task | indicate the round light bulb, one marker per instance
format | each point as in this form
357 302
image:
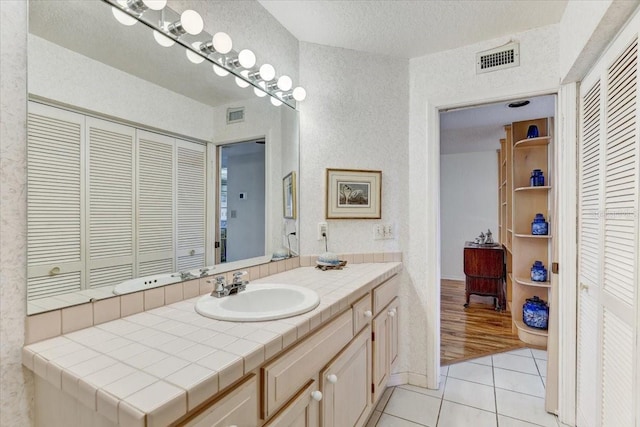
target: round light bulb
220 71
122 17
267 72
260 93
192 56
276 102
222 43
155 4
192 22
285 83
243 83
162 40
299 94
247 58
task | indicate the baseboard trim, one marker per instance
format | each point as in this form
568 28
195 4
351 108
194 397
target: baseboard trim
419 380
399 378
459 279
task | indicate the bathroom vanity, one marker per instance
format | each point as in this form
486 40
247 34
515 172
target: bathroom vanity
171 366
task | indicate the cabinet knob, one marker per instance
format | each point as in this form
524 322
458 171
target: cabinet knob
316 395
584 287
368 314
332 378
392 312
54 271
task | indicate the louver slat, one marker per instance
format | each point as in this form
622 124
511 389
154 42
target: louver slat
110 276
47 286
160 266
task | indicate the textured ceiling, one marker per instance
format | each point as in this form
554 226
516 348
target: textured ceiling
410 29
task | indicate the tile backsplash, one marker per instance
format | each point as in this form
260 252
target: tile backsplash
53 323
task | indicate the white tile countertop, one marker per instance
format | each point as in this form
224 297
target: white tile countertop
153 367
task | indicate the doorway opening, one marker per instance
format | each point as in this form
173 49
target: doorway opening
240 222
481 202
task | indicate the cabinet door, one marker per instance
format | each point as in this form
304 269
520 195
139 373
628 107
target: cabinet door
302 411
392 312
235 408
345 383
380 345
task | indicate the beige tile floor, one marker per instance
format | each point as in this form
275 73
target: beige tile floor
503 390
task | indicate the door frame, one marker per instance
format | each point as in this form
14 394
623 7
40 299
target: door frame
565 131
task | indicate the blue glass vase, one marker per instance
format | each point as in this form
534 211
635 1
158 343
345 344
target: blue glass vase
532 132
539 227
537 178
535 313
538 272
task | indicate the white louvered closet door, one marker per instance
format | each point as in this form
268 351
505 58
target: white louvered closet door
608 247
155 240
54 196
111 202
191 207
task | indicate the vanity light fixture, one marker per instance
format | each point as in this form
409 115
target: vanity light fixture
260 93
299 94
123 18
139 6
245 59
190 22
266 73
220 71
169 27
162 39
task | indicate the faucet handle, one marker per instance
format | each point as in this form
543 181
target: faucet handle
238 274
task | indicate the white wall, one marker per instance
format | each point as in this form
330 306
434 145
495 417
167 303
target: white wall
91 85
468 205
355 117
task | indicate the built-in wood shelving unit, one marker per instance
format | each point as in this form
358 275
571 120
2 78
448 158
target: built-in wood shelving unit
518 204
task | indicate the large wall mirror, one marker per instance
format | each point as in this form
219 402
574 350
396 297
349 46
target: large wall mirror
144 167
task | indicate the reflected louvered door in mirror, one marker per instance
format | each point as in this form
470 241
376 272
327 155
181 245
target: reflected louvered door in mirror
191 216
110 207
608 247
156 196
55 194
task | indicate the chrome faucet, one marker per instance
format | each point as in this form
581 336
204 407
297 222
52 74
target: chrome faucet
184 275
222 289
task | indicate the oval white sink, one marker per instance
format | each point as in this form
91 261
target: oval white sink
259 302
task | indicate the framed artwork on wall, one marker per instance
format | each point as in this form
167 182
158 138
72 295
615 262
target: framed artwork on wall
289 195
353 194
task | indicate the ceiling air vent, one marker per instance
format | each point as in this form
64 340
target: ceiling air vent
235 115
506 56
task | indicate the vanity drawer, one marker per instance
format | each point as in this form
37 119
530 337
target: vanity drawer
283 377
383 294
362 313
238 406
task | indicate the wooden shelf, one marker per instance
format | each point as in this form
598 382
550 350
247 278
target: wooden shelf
533 236
528 282
504 204
533 142
533 336
538 188
504 182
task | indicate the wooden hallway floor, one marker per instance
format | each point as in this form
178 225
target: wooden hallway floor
467 333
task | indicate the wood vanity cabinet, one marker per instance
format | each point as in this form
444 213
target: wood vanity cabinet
346 394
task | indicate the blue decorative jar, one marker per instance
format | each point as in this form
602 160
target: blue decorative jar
535 313
538 272
537 178
539 227
532 132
